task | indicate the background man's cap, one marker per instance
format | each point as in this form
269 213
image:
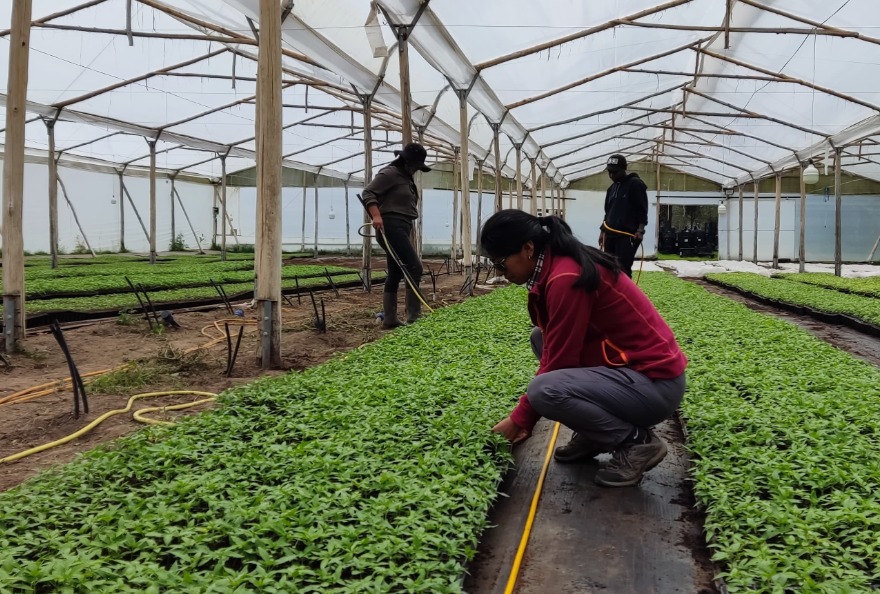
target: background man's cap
414 154
616 162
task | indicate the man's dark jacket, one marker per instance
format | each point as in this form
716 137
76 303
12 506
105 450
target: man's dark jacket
394 191
626 204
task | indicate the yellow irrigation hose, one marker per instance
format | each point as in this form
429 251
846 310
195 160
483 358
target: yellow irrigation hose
139 414
641 245
41 448
406 276
527 530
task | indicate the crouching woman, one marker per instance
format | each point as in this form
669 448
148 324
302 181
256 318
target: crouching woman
610 367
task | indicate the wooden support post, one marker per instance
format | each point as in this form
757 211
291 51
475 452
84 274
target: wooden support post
347 224
13 176
53 194
268 266
152 145
418 227
131 201
657 206
510 194
740 188
224 212
802 249
315 250
777 222
368 177
519 184
756 185
465 194
838 208
544 192
405 94
533 207
186 216
564 202
456 180
121 211
479 203
302 244
75 216
498 176
173 213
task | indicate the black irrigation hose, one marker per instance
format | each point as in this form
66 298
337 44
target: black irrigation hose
150 302
222 295
140 301
298 297
320 323
330 280
235 352
79 388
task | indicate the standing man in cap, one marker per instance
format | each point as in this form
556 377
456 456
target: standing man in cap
626 214
392 200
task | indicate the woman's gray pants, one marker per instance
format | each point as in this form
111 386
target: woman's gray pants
603 404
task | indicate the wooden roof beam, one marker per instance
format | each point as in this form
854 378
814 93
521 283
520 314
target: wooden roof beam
579 35
58 15
604 73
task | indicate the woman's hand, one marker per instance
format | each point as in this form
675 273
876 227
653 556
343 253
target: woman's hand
378 224
513 432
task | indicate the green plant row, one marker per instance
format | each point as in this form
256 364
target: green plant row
168 278
868 286
797 293
784 434
372 473
121 301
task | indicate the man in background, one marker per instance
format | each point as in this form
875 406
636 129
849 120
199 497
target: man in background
626 214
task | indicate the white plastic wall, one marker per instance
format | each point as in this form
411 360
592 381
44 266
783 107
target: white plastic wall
95 196
860 221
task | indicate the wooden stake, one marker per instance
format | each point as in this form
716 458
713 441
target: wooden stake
479 204
302 245
347 224
776 224
13 176
838 207
657 205
533 207
802 253
268 267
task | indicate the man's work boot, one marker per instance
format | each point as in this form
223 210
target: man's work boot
413 306
578 449
389 304
629 462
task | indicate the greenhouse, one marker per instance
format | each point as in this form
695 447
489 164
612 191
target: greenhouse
190 242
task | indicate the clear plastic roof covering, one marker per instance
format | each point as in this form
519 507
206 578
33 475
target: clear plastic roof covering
722 89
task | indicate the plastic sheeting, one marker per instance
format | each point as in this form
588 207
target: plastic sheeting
568 81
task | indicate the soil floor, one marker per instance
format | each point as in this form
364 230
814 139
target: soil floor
173 360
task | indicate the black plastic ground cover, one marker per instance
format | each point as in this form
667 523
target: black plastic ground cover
66 317
588 539
823 316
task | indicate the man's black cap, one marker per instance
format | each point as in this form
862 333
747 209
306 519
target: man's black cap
616 162
414 154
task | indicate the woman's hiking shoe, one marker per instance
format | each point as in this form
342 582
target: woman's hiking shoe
578 449
630 462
